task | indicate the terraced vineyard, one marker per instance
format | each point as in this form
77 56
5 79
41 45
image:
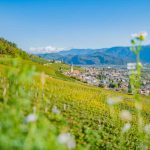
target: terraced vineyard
42 109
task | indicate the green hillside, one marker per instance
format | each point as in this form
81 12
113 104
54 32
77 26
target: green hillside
41 109
10 49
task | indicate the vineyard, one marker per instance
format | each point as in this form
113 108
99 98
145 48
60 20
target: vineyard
42 109
74 75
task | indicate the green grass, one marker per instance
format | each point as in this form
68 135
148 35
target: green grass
84 110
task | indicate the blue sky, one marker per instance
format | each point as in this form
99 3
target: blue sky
73 23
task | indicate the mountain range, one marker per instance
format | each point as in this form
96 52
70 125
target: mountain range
114 55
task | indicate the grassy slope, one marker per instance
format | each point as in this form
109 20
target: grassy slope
83 106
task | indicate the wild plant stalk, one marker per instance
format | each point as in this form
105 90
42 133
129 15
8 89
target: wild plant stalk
135 78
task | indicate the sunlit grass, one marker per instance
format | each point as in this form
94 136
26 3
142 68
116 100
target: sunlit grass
31 96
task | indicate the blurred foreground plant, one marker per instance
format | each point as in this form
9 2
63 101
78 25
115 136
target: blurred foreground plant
23 125
135 82
135 75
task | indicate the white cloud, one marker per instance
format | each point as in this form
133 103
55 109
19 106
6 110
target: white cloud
47 49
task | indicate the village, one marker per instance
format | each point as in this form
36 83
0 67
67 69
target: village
113 78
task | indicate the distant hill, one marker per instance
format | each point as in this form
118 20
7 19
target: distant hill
114 55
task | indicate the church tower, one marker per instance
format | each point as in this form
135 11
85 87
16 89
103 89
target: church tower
71 69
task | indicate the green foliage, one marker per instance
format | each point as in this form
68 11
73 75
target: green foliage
23 122
135 82
38 105
37 59
10 48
